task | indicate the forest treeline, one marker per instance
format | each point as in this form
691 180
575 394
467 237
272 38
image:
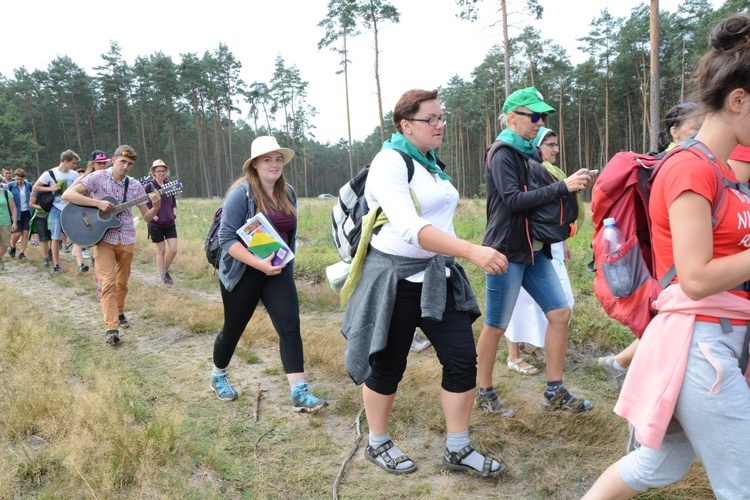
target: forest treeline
187 111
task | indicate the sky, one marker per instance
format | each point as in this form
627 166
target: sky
426 49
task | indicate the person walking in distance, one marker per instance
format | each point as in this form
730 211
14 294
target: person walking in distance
162 229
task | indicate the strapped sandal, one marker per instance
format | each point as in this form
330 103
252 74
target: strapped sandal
453 460
537 352
389 464
521 366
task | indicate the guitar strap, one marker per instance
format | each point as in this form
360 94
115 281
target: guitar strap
125 191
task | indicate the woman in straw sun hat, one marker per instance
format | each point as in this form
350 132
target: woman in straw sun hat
246 279
162 229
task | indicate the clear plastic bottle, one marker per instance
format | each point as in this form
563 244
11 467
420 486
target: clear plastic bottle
616 269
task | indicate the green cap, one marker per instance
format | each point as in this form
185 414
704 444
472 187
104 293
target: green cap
529 97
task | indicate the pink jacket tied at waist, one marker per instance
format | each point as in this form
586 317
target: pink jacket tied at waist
655 376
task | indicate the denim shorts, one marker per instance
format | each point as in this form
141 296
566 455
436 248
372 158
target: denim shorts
55 226
539 279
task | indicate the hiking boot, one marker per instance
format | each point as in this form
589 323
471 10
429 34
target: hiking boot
419 343
615 376
12 252
21 256
56 269
82 268
45 262
168 279
223 389
304 401
487 401
112 337
561 399
124 323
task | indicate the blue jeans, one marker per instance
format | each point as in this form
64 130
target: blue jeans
711 421
539 279
54 223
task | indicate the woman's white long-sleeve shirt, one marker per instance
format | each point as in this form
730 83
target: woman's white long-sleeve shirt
388 187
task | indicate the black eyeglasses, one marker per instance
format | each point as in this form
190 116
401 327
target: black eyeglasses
535 117
431 121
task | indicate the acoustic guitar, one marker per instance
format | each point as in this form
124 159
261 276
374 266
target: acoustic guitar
85 226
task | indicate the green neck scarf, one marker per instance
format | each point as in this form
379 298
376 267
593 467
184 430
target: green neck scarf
515 140
400 142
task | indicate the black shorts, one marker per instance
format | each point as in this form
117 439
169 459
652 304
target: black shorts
23 222
40 227
159 234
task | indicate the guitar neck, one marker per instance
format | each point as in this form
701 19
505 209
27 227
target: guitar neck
131 203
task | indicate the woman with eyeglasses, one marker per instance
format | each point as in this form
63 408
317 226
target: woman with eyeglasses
508 202
528 323
410 279
686 393
162 229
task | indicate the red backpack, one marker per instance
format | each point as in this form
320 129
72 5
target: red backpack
622 192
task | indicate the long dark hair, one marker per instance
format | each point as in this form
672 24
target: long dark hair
676 116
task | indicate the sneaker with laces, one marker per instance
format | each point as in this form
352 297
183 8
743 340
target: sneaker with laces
21 256
487 400
124 323
12 252
112 337
56 268
615 376
561 399
223 389
45 262
304 401
419 343
82 268
168 279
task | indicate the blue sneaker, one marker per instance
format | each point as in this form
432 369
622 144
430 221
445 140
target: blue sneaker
223 389
304 401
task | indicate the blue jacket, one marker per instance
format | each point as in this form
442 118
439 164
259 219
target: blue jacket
13 188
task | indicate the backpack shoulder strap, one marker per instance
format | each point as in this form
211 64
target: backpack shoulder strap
409 165
52 174
492 150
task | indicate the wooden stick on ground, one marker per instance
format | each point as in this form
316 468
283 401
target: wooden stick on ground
349 457
256 402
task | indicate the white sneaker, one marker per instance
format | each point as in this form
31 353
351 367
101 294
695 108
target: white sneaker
615 375
419 343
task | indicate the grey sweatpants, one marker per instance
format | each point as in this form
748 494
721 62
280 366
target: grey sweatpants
711 421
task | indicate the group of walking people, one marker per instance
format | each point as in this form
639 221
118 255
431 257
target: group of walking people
410 278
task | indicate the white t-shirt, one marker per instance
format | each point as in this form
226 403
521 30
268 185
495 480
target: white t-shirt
387 188
64 179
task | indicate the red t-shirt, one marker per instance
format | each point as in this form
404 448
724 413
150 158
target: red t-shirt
686 172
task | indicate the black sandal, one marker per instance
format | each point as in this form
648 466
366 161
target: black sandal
453 460
389 464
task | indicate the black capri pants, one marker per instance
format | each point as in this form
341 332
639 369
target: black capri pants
279 295
452 339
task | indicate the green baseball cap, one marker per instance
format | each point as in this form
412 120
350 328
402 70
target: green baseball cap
529 97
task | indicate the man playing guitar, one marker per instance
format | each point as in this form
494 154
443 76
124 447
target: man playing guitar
113 255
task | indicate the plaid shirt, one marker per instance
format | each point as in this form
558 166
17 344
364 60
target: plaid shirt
102 183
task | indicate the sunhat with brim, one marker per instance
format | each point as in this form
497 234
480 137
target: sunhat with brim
740 153
530 98
264 145
158 163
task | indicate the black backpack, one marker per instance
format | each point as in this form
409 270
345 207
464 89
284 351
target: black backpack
211 244
46 199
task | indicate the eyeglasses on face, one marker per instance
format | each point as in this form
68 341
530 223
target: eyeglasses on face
431 121
160 171
535 117
552 145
